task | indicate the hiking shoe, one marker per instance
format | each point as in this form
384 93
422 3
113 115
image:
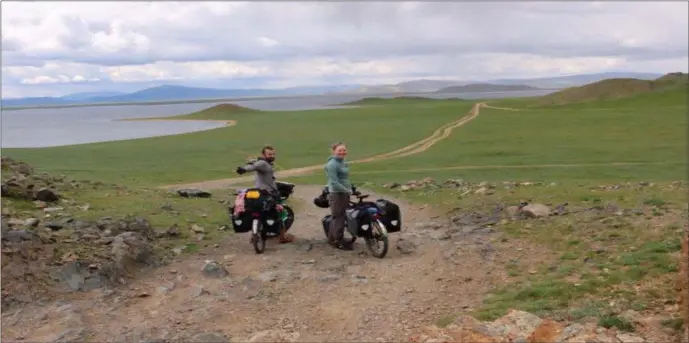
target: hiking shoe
344 245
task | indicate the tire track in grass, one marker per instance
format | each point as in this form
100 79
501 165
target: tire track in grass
417 147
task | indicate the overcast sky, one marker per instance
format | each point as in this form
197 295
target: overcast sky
56 48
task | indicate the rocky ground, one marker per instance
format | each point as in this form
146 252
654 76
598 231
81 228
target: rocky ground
51 240
107 280
520 326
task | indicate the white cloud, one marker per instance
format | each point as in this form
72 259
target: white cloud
108 45
42 79
267 42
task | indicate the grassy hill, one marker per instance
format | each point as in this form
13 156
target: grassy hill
570 142
485 87
400 100
612 89
217 112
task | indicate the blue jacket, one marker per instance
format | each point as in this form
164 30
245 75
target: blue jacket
338 175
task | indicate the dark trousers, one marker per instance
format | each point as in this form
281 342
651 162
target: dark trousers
338 205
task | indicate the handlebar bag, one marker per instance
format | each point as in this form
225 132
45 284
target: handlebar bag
285 189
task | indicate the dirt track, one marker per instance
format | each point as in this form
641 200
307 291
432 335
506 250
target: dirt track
501 108
414 148
306 288
417 147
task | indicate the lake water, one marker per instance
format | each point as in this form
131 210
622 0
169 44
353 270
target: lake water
46 127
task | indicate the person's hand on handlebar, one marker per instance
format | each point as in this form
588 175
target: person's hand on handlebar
240 170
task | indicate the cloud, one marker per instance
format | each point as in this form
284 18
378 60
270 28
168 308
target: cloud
267 42
203 42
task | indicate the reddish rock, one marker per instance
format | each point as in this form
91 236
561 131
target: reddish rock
548 331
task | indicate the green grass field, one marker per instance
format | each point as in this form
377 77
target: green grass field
569 143
302 138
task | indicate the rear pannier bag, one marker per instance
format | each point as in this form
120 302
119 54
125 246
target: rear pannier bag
391 215
271 216
352 216
358 216
326 224
240 223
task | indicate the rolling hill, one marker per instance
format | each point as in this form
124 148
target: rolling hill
485 87
63 100
557 82
167 93
89 95
617 88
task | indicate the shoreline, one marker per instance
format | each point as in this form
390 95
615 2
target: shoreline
227 123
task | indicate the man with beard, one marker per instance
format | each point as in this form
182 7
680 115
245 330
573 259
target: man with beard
265 180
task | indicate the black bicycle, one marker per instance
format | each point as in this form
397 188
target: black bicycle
260 215
366 219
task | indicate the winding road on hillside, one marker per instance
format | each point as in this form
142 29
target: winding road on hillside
417 147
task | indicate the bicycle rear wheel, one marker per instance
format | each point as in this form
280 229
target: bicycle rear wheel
378 243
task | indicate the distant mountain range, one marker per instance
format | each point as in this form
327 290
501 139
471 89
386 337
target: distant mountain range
485 87
167 93
558 82
182 93
89 95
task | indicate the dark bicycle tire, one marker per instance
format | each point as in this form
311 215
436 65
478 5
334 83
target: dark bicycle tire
375 239
290 217
259 240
